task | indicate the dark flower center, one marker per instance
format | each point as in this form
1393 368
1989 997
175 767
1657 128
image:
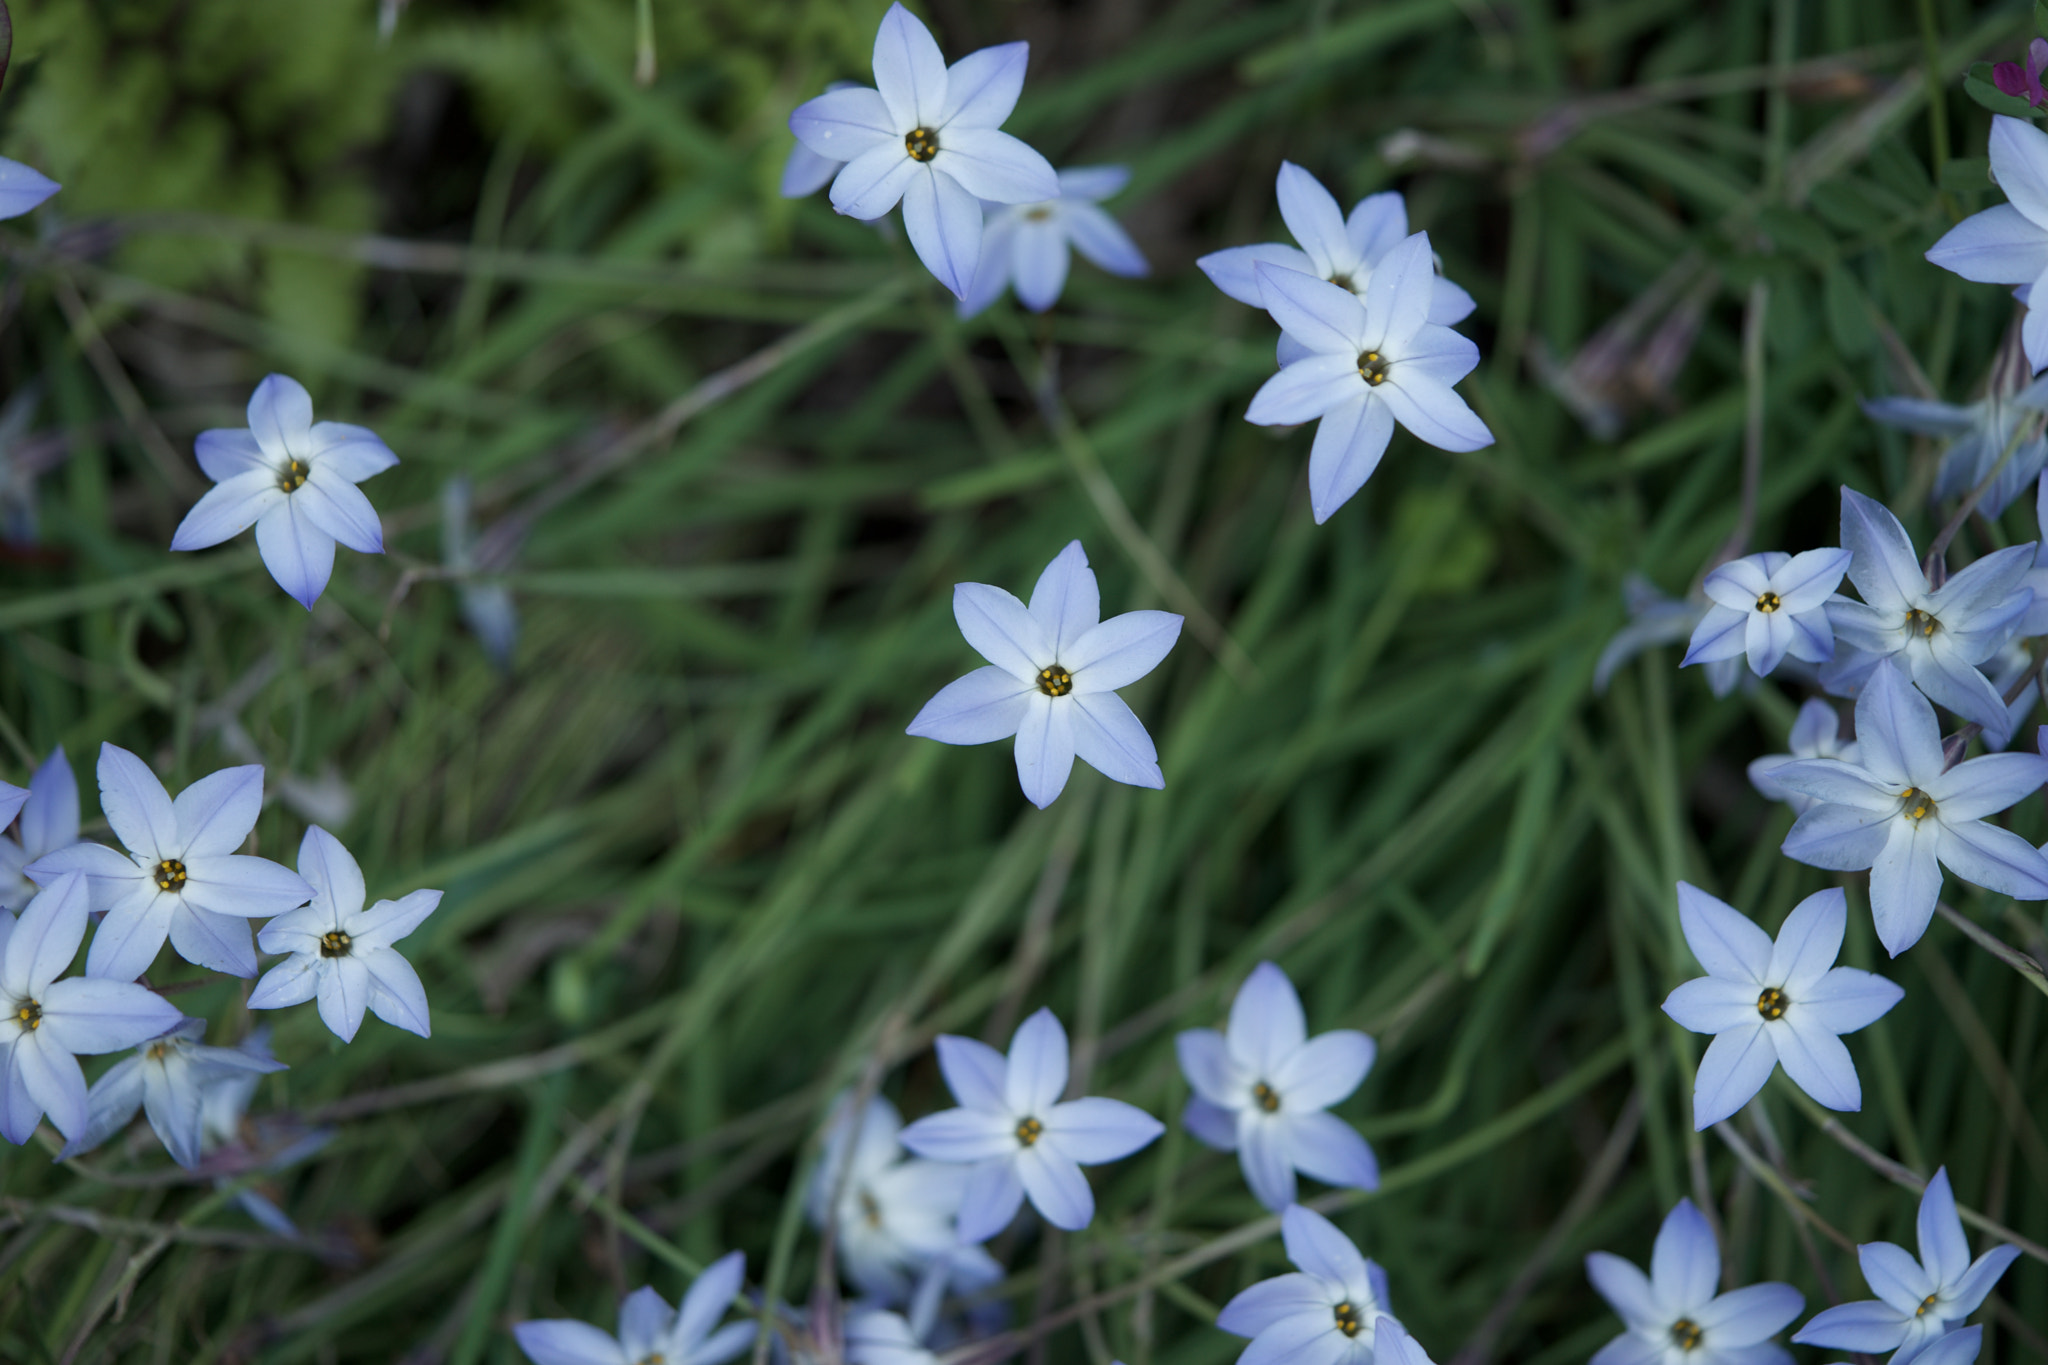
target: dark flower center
1267 1096
1342 280
1372 366
169 875
1768 602
921 143
1921 621
29 1016
1055 681
1029 1131
293 476
1926 1304
1038 213
1916 804
1772 1004
334 943
1686 1333
1348 1321
870 1210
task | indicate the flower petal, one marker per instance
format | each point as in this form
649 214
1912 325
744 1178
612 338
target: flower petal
1994 858
1894 1276
1809 578
1057 1188
982 87
1712 1004
994 166
1809 941
1726 941
1036 1070
1212 1125
975 1072
1842 838
46 937
53 1081
22 188
1349 443
343 992
1847 999
1944 1250
2001 245
214 941
1984 786
1735 1067
993 1194
875 181
299 555
1975 1284
1328 1149
1300 1341
706 1302
332 873
89 1016
1273 1301
986 705
1102 239
910 71
216 813
1045 750
226 510
1881 563
1038 264
1307 389
840 125
1322 316
1685 1263
1002 630
1432 410
129 938
1312 215
136 804
1817 1061
1721 634
961 1135
1752 1314
1235 270
1866 1325
1626 1289
805 172
1323 1071
1398 297
337 507
386 922
1315 1245
1377 224
1905 882
281 418
292 982
1093 1129
1109 737
1067 603
1837 782
396 994
2019 161
1266 1021
350 452
943 222
562 1341
239 884
1267 1159
1205 1061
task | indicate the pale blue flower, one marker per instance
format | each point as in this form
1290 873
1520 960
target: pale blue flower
927 135
805 172
1769 1003
1054 668
1767 606
12 799
1018 1135
1920 1304
342 953
181 878
1262 1088
2008 244
1361 366
1937 635
1343 250
878 1338
1902 812
1026 245
1391 1344
294 480
649 1329
1816 733
168 1080
1978 434
1330 1312
49 821
894 1217
47 1024
22 188
1655 618
1676 1314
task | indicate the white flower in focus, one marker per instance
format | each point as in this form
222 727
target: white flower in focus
342 953
927 136
49 821
1026 245
294 480
1676 1315
1767 606
1261 1090
1816 733
1054 668
1330 1312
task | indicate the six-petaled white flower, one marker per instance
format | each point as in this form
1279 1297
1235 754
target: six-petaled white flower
1902 812
1767 606
1262 1088
1920 1304
1676 1314
1019 1136
340 953
1816 733
649 1330
1026 245
168 1079
47 1024
1054 668
49 821
294 480
928 135
180 878
1363 365
2008 244
1771 1003
1329 1312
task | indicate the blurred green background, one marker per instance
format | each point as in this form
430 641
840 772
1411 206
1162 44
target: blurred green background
696 875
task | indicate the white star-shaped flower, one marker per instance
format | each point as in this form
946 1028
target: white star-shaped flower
1330 1312
1676 1315
1767 606
1054 668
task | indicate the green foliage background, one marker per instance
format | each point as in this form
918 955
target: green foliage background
696 876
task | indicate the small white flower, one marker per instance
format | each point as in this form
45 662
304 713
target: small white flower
294 480
649 1330
49 821
1329 1313
1262 1090
1816 733
1054 668
169 1080
1676 1315
1767 606
181 878
1026 245
342 953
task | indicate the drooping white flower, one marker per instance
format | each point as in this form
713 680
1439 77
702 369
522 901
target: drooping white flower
1026 245
1773 1003
1816 733
167 1079
1363 365
1016 1134
180 878
1343 250
1262 1090
927 135
49 821
342 953
2008 244
22 188
1767 606
649 1330
1978 434
894 1217
1920 1304
1676 1315
1937 635
47 1024
294 480
1328 1313
1054 669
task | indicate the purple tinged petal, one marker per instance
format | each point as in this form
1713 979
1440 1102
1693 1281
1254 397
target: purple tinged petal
136 804
1315 1245
2034 328
1847 999
89 1016
19 1112
1712 1004
1432 410
1267 1159
1319 383
1726 941
240 884
1881 562
982 87
1299 1341
1685 1263
1905 883
1750 1315
2019 161
1866 1325
1723 633
386 922
875 181
1735 1067
560 1341
339 509
2001 245
840 125
943 222
1959 1347
1002 630
334 879
1841 838
111 1103
1766 639
1449 304
1057 1188
910 71
1970 1289
1266 1021
1815 729
1349 444
1102 239
1324 1147
986 705
1205 1061
1626 1289
22 188
1944 1250
729 1341
1109 737
1092 183
292 982
1326 318
1993 858
226 510
1035 1073
1398 296
1323 1071
129 937
975 1073
1045 750
1809 941
990 1199
216 813
1235 270
644 1320
49 818
174 1111
1117 652
1038 263
994 166
281 417
396 994
1377 224
1738 583
1838 782
1894 1276
1817 1061
354 453
1810 578
1897 737
706 1302
343 993
1312 215
1984 786
1438 353
226 452
1067 602
992 268
1269 1302
299 555
805 172
215 941
1093 1130
53 1081
1985 584
46 937
1212 1125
